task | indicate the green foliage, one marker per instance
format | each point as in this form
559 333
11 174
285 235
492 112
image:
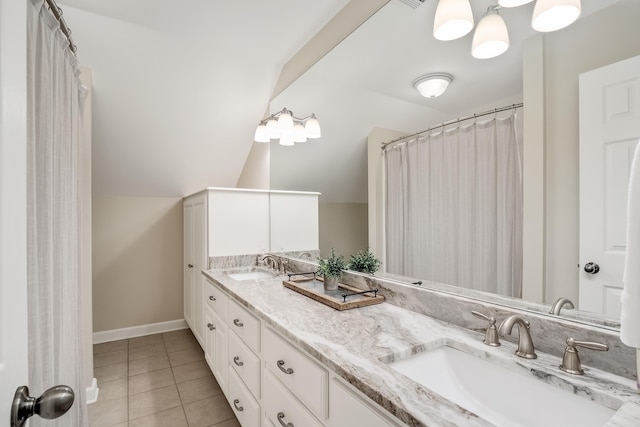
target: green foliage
332 266
364 262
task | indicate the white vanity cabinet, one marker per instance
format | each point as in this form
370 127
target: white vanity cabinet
216 331
269 381
294 221
234 221
349 407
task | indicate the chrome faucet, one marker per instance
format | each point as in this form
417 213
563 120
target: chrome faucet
525 343
557 306
491 335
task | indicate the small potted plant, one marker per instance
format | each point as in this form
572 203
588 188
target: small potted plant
364 262
331 269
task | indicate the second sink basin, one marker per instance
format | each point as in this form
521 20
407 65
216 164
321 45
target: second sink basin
251 275
498 394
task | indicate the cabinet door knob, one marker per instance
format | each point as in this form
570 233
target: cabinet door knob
190 265
210 326
281 418
287 371
235 403
238 323
212 298
237 361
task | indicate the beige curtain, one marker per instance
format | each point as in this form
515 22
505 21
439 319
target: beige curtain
54 102
454 207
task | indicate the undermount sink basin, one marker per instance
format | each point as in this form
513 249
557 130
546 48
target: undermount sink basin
251 275
497 394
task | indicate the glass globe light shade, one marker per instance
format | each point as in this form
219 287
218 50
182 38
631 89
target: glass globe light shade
552 15
272 129
285 121
298 133
312 127
261 134
491 37
287 140
432 85
454 19
513 3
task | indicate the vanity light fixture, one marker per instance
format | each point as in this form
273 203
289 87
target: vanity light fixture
454 19
432 85
287 128
491 37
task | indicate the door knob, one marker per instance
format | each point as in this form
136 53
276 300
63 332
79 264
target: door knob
591 267
53 403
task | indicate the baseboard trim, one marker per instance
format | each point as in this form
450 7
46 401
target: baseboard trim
138 331
92 392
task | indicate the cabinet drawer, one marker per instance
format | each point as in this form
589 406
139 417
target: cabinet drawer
297 371
282 408
245 363
217 300
245 325
347 409
244 406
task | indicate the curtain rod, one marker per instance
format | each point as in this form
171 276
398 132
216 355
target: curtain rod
57 13
450 122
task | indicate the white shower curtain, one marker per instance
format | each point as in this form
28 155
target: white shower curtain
55 98
454 207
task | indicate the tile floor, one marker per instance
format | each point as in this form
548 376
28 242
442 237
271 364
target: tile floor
157 381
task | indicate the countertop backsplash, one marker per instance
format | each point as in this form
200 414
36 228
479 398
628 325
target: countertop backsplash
549 333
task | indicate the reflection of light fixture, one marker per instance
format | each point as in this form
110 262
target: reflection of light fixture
289 129
432 85
491 37
454 19
552 15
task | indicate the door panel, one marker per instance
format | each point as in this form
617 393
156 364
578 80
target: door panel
609 134
13 190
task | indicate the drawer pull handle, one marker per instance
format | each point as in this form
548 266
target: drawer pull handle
238 323
235 403
237 361
210 326
212 298
281 417
287 371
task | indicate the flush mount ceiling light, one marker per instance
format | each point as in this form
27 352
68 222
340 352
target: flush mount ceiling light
287 128
491 37
454 19
432 85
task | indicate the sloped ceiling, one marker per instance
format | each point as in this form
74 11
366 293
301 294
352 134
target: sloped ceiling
366 82
180 86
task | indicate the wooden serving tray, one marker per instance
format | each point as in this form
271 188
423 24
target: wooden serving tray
314 288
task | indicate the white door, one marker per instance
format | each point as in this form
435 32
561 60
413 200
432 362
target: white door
609 133
13 204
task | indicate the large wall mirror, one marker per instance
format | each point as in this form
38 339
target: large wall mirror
363 87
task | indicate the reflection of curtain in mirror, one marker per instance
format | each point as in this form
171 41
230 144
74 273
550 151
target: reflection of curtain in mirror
454 207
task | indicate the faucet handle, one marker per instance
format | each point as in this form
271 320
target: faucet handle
491 336
571 361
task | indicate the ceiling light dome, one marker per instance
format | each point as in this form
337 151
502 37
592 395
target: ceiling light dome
432 85
552 15
491 37
454 19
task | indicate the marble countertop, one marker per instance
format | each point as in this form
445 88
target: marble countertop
356 344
